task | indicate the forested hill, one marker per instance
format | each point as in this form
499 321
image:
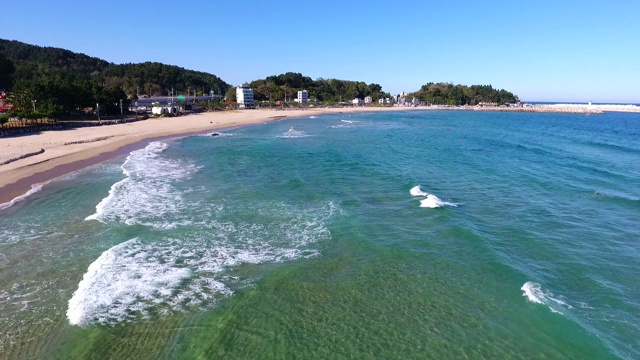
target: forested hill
449 94
33 63
287 85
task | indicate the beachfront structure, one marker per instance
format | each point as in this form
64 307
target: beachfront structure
368 100
244 97
357 102
164 110
303 96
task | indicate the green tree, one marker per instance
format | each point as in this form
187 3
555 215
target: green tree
231 94
6 72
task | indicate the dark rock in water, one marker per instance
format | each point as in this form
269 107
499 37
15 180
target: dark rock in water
215 134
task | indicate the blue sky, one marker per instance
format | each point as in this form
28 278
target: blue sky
540 50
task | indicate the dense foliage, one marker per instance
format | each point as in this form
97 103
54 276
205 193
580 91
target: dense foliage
61 81
6 72
287 85
449 94
49 82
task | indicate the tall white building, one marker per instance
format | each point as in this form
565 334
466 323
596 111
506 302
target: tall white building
244 96
303 96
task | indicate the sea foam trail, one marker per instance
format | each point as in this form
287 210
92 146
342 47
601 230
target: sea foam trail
34 189
120 281
433 202
293 133
148 192
164 275
430 201
345 124
534 293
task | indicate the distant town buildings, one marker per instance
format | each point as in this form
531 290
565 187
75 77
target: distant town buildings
368 100
244 96
303 96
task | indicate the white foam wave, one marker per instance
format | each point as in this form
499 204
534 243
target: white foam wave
433 202
217 134
417 191
313 117
148 192
161 276
293 133
34 189
124 279
345 124
430 201
534 293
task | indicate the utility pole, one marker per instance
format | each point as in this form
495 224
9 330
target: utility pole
98 110
33 102
120 106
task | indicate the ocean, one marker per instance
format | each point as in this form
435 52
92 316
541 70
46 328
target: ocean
395 235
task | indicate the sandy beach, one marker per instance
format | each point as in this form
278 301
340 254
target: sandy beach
39 157
51 154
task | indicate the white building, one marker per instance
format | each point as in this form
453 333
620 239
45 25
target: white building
368 100
303 96
162 110
357 102
244 96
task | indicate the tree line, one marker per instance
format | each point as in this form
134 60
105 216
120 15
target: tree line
57 81
449 94
286 86
50 82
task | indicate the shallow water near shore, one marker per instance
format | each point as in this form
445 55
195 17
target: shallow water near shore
403 235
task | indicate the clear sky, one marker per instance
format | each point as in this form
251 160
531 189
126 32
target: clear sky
562 50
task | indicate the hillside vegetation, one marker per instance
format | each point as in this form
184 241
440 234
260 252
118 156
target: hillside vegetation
61 81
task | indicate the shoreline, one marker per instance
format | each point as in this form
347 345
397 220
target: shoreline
41 157
56 153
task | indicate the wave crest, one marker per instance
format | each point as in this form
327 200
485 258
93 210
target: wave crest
148 191
534 293
430 201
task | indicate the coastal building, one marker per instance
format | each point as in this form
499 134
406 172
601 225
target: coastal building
158 109
368 100
244 97
303 96
357 102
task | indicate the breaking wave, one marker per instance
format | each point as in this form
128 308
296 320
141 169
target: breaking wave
293 133
148 191
430 201
34 189
141 278
535 294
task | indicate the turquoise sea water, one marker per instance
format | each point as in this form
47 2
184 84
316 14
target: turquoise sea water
309 238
